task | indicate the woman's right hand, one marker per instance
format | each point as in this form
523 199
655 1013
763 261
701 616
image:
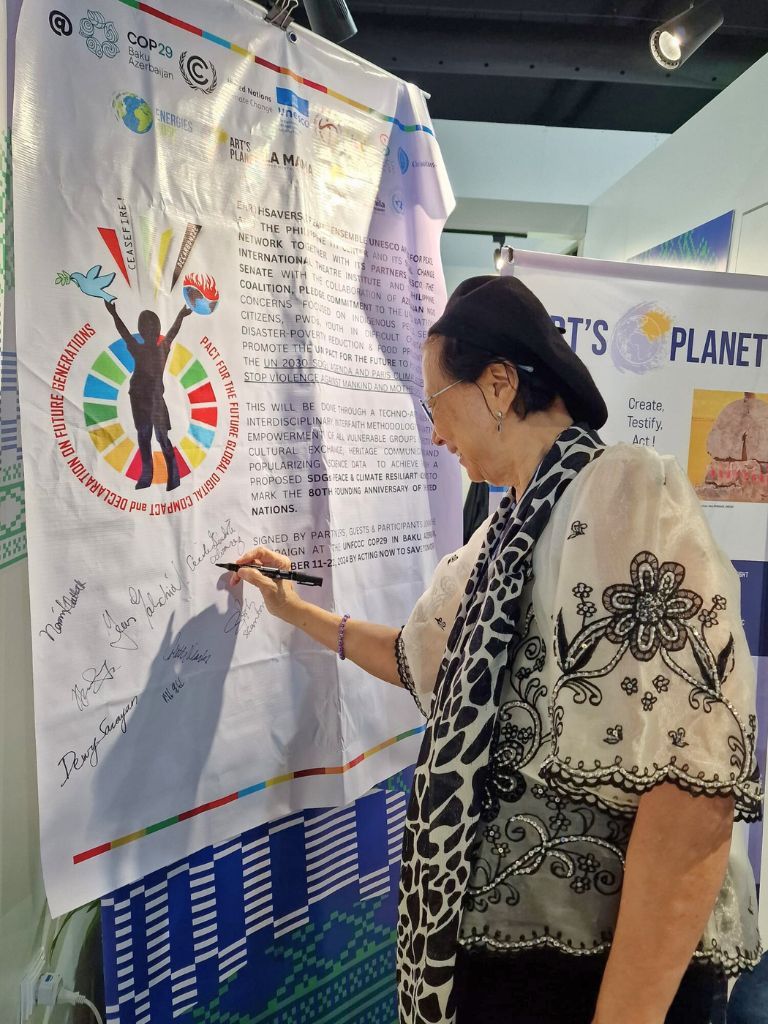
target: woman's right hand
280 597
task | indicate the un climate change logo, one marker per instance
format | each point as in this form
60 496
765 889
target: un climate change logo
198 72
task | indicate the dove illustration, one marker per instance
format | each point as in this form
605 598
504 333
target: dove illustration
94 283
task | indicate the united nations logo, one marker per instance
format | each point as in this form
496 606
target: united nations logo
197 72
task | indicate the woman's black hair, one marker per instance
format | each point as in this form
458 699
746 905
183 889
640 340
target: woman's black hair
535 392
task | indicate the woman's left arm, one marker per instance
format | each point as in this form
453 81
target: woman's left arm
676 862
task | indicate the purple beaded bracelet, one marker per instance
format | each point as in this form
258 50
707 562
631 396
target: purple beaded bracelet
340 645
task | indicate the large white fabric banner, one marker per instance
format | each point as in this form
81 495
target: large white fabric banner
681 358
227 244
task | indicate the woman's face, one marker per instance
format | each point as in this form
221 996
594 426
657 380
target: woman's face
464 417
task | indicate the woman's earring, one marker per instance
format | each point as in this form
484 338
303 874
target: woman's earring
500 415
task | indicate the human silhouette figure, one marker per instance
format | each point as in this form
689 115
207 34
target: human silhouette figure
146 389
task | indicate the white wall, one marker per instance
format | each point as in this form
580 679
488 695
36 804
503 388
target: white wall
533 178
537 163
527 178
714 163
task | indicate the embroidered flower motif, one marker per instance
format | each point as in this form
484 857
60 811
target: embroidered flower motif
678 737
587 863
538 791
516 735
614 734
581 884
586 608
492 833
578 529
661 684
501 849
648 700
629 686
558 822
708 618
650 612
719 602
581 590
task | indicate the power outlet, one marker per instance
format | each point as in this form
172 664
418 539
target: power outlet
29 986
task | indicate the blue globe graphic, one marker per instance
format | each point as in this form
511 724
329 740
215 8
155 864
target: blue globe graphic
197 302
640 339
134 112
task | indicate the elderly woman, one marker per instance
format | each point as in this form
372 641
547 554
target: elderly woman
568 854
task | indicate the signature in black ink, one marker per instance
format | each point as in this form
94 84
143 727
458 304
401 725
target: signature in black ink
123 641
217 542
153 600
246 614
94 679
175 687
72 761
65 605
184 652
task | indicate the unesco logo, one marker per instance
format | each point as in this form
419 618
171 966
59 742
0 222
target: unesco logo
60 23
198 72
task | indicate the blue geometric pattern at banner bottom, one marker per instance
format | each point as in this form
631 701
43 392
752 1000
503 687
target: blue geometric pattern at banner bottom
291 922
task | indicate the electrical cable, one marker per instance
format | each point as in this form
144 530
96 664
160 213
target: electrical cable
75 999
49 992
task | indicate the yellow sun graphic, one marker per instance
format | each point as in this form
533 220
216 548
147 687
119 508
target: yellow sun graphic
655 324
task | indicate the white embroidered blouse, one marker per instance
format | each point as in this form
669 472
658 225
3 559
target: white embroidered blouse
630 668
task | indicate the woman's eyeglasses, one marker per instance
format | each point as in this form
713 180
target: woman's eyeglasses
426 403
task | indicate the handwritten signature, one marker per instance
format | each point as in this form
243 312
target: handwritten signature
123 641
216 544
72 761
176 686
184 652
66 605
151 601
94 679
246 614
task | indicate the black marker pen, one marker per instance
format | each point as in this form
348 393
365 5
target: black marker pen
276 574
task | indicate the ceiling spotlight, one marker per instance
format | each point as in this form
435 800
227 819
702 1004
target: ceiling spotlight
501 252
330 19
673 42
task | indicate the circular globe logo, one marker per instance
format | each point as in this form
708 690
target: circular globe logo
133 112
200 293
640 339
